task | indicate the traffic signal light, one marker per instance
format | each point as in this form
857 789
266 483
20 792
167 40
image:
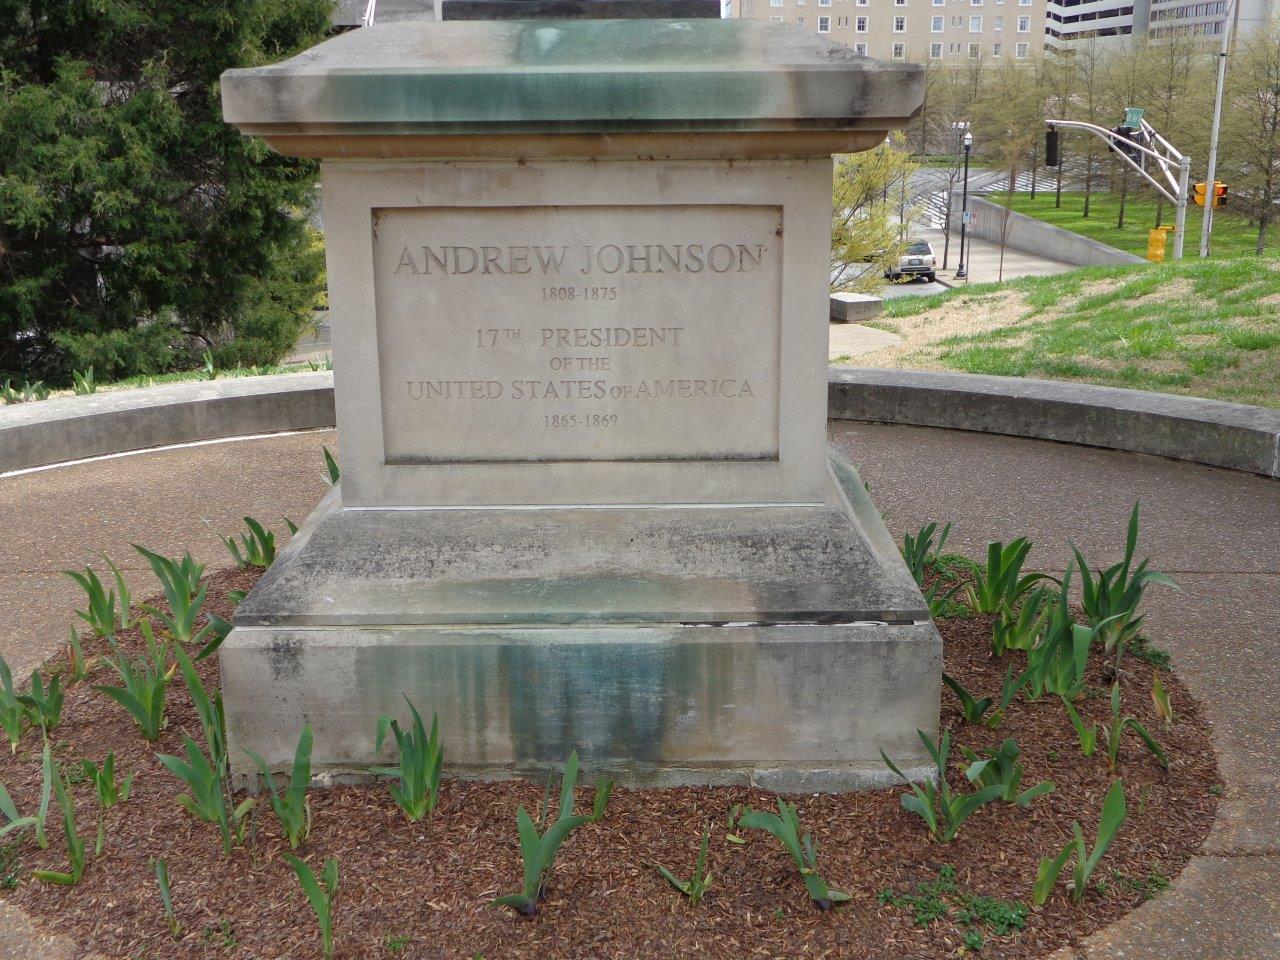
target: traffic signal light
1201 194
1051 157
1126 140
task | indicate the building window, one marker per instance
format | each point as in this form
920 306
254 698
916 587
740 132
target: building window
862 3
860 25
860 49
824 3
973 51
999 23
995 49
935 25
799 21
824 24
899 51
899 3
975 24
1024 3
775 19
775 3
842 21
1024 24
1022 51
935 51
899 24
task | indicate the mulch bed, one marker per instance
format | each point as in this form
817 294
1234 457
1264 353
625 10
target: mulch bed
422 890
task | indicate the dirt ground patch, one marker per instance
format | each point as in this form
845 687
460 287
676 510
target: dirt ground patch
423 890
956 317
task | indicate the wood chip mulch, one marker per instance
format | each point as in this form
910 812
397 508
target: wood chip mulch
423 890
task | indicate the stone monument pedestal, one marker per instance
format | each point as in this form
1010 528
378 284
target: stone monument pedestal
578 271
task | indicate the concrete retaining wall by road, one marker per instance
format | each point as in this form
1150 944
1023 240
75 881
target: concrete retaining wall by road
1035 236
1184 428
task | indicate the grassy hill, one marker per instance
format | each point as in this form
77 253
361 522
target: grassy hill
1233 235
1204 328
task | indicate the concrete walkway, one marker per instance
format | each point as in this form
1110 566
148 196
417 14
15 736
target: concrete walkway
1213 530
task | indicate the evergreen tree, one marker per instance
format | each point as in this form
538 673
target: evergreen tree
136 228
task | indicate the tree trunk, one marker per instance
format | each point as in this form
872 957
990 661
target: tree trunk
1057 194
1159 211
1263 218
1035 165
1088 183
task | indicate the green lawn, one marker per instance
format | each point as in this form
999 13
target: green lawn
1204 328
1233 235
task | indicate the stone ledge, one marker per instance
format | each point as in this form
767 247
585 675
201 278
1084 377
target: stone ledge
74 428
1230 435
1211 432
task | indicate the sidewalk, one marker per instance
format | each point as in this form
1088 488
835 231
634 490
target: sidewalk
983 260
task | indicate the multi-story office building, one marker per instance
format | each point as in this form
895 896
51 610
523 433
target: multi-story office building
1068 22
914 29
1072 22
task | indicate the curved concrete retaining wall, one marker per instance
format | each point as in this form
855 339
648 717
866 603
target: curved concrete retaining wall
1219 434
73 428
1184 428
1035 236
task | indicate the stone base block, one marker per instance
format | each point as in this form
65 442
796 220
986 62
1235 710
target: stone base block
788 707
780 646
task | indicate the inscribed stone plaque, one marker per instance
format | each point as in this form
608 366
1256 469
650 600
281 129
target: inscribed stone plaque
553 333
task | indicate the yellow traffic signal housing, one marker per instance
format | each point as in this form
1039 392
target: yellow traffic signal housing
1200 195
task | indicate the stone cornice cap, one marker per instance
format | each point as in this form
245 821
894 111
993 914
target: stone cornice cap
607 88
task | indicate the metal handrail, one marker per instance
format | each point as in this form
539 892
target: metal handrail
370 12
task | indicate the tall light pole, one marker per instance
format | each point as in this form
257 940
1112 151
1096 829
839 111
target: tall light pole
1206 225
961 272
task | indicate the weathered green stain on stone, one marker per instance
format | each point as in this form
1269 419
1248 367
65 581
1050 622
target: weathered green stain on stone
573 76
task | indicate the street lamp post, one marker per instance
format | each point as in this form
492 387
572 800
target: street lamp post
961 272
1206 225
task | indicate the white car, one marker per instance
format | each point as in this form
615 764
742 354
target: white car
918 261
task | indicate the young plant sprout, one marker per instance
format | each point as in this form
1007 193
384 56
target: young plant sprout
696 886
997 587
320 898
1113 814
785 825
421 758
941 810
290 805
1003 768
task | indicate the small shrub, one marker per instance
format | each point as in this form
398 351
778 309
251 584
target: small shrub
77 854
1087 735
785 826
103 778
1113 814
999 585
13 714
320 898
1111 600
44 704
421 759
290 805
538 851
1121 724
185 596
1019 631
83 382
257 548
920 552
145 681
1003 768
1008 690
941 810
971 708
107 610
696 886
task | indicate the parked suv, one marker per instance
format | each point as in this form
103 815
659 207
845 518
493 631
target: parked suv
918 261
